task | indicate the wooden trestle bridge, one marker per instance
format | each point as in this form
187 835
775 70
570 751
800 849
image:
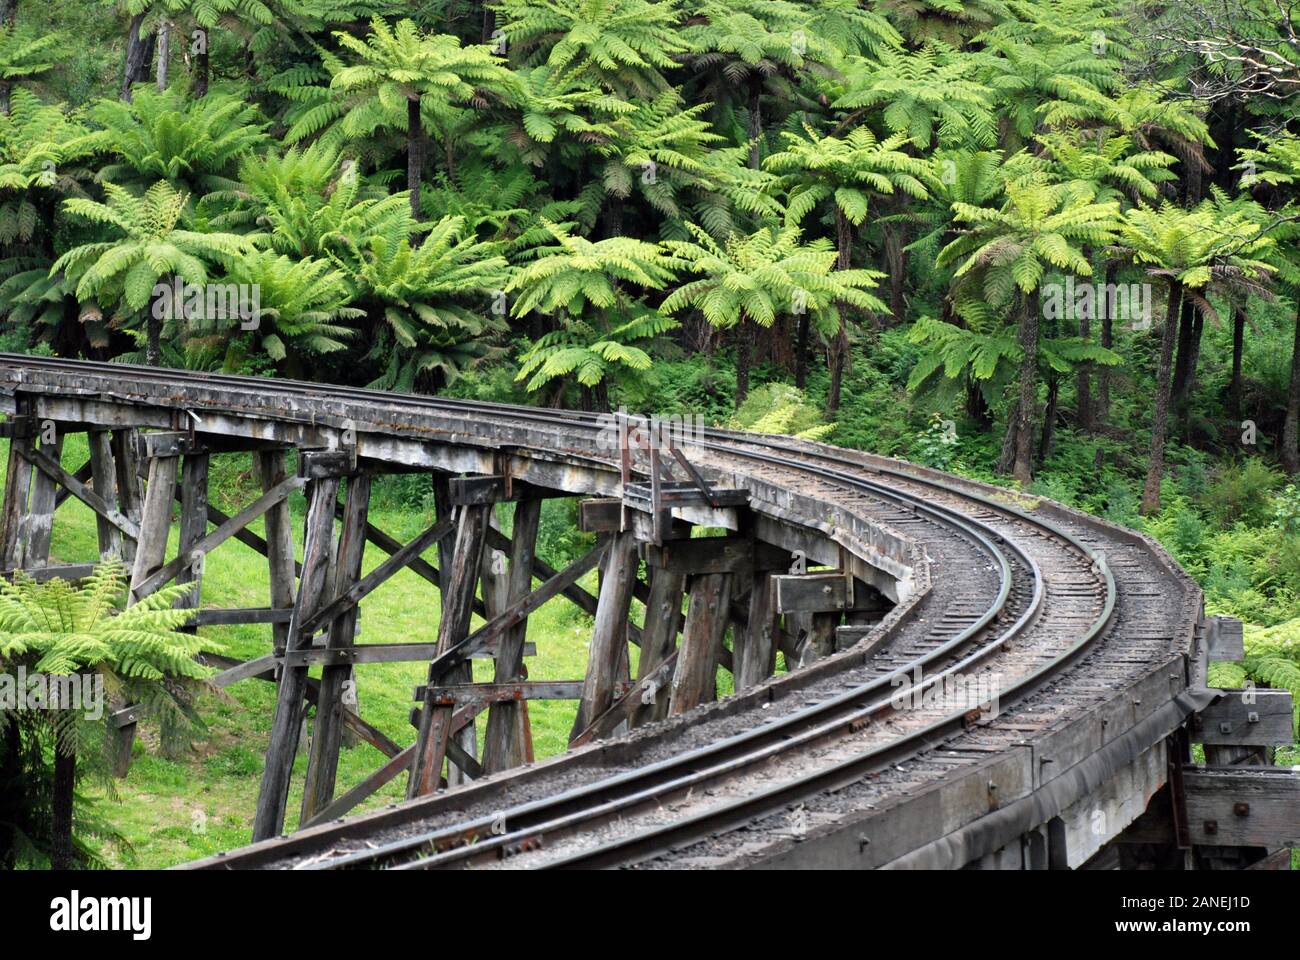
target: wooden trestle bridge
970 678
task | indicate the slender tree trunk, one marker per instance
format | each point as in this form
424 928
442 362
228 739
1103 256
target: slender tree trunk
744 354
1238 349
8 15
755 119
1023 467
1184 352
11 792
1048 437
1102 411
1007 453
801 351
164 53
1160 418
154 324
896 257
139 52
414 155
839 352
1291 425
1083 376
65 778
202 67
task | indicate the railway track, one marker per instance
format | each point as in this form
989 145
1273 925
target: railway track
1031 600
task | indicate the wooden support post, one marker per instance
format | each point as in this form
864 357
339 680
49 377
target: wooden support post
279 542
755 651
150 552
103 480
460 578
327 735
39 527
821 641
194 522
290 699
663 618
444 505
18 480
695 680
609 635
129 499
503 745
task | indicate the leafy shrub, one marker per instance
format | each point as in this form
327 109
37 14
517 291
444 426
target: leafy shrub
1242 492
780 408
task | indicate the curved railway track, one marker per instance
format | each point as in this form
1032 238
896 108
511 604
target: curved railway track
1020 597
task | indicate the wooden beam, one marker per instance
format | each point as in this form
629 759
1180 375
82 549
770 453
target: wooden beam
1224 639
600 515
287 722
505 736
327 732
453 630
754 647
18 479
457 694
695 679
715 555
1242 806
130 501
103 479
1253 717
39 527
466 491
609 636
650 689
194 523
663 621
282 567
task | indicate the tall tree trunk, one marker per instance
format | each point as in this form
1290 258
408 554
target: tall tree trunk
896 257
1238 350
8 14
164 53
1023 468
744 354
1291 425
1007 453
839 352
202 67
1101 413
1083 375
755 119
65 779
139 52
11 789
977 408
1160 418
414 155
154 322
1048 436
801 351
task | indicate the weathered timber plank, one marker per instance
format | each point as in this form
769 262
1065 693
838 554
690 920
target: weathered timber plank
103 480
609 635
453 629
1242 806
278 547
1253 717
505 736
327 732
695 679
290 700
39 527
105 512
663 621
